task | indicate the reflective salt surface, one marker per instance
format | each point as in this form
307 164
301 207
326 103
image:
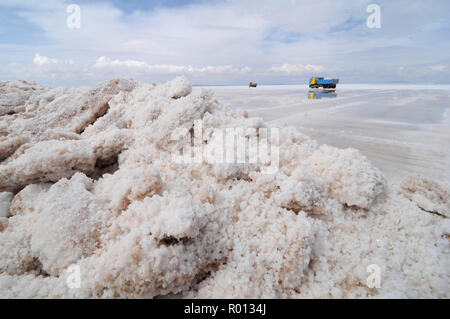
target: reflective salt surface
403 129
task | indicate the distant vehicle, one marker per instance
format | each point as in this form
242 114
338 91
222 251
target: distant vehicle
316 82
253 84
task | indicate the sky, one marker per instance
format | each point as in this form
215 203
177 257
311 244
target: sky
228 42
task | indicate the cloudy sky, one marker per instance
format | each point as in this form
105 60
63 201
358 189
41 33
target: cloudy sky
224 42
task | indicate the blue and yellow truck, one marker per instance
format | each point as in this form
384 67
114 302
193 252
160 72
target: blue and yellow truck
317 82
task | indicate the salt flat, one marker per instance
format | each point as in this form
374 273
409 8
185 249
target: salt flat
88 181
402 129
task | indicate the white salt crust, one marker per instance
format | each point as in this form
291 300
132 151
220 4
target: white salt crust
87 179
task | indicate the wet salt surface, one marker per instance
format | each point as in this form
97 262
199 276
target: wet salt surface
402 129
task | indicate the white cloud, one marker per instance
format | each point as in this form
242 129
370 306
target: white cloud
438 68
106 63
297 69
246 70
42 60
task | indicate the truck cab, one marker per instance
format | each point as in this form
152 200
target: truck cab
317 82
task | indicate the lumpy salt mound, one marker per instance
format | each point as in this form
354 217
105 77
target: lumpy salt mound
89 187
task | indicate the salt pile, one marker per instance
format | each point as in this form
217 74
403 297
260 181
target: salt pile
87 180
